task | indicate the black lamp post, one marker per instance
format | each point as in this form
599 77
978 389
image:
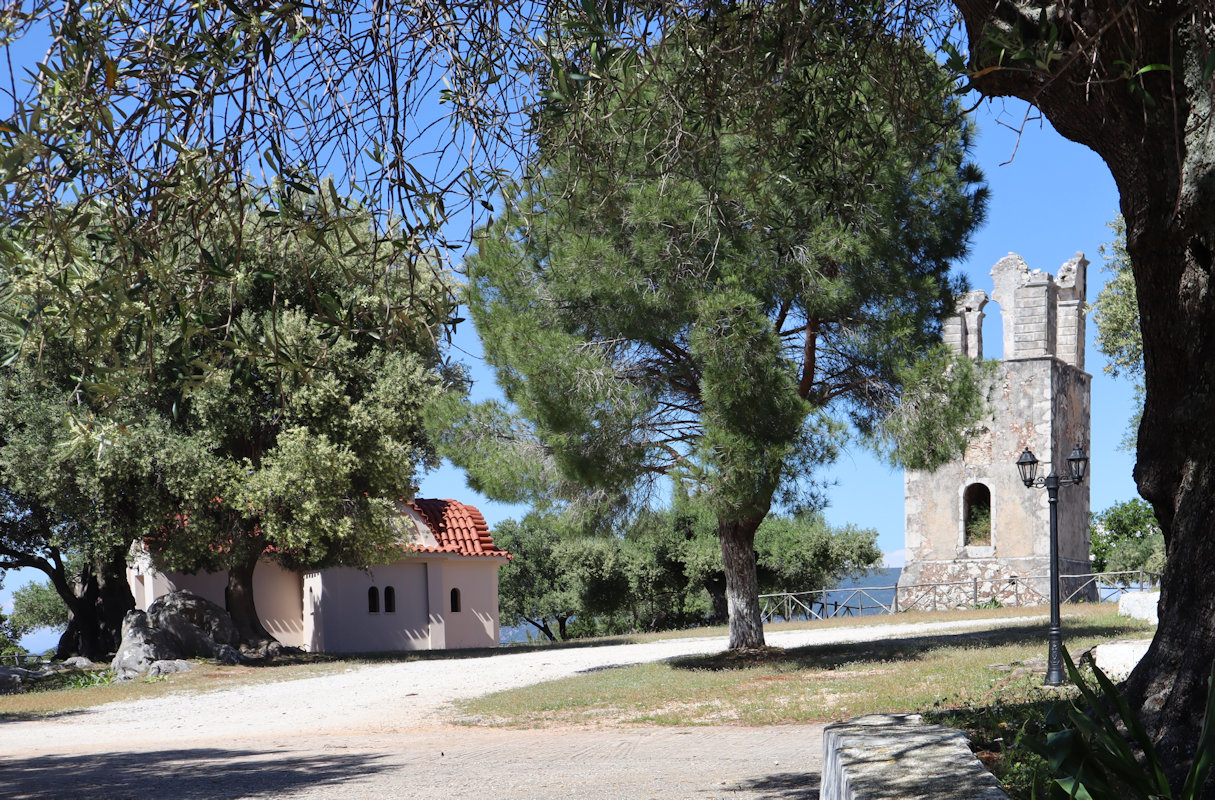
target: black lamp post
1077 465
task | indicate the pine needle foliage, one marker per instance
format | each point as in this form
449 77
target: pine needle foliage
723 309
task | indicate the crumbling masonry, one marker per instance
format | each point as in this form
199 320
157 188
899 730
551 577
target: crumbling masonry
972 522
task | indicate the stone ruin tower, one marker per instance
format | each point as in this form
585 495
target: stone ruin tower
972 522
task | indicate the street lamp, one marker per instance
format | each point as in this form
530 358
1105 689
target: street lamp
1077 465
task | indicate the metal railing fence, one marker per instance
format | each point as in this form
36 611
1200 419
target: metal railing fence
1010 591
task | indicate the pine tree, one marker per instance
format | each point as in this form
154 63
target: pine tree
723 309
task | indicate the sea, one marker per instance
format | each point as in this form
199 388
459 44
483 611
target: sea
878 585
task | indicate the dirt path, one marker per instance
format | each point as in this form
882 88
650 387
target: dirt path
380 732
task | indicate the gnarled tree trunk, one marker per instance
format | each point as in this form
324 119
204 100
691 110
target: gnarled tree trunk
1155 130
742 585
102 597
242 607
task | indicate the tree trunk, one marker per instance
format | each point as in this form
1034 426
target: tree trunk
1175 470
742 586
719 609
82 637
1161 152
102 599
116 598
543 627
241 605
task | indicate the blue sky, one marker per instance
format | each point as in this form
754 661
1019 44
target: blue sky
1050 198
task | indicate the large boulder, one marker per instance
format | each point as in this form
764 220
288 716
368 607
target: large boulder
198 625
141 646
177 626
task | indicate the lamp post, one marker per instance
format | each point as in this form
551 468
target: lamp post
1077 465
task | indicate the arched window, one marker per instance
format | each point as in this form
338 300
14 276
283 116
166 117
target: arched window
390 600
455 599
373 600
976 515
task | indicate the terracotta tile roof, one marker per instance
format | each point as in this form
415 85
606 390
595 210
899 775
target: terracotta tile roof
457 528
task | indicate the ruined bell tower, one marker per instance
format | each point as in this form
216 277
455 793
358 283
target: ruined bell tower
972 521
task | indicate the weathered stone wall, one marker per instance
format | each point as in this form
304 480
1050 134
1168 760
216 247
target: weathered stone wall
1038 399
965 583
1019 406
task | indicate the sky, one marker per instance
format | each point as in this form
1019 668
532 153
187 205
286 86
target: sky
1050 198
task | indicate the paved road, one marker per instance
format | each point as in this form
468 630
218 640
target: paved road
380 732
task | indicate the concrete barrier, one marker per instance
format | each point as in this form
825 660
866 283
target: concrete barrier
1117 658
1139 605
898 757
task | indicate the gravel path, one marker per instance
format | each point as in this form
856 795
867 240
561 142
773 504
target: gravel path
379 731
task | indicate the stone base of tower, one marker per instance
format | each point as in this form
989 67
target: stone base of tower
971 582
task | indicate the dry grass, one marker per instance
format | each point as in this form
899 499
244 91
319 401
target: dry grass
799 685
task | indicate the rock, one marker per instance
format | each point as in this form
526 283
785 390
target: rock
12 681
141 645
227 654
269 650
1140 605
79 662
159 668
178 626
199 625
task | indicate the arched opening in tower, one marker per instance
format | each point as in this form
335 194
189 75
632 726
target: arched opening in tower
976 515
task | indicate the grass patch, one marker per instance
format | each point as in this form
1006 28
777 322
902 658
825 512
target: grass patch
800 685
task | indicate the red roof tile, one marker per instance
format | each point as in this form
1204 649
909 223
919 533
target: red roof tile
457 528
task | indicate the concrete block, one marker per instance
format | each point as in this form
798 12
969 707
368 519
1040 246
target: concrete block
1117 659
1140 605
898 757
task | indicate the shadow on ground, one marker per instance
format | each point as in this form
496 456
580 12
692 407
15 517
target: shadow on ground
32 716
834 656
784 786
186 774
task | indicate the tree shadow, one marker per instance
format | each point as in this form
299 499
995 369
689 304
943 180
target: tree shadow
183 774
38 716
784 786
835 656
